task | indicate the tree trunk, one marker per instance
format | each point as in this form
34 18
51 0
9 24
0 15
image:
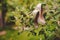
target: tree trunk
1 20
3 12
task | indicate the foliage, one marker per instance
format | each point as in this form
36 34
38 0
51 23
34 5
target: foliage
19 12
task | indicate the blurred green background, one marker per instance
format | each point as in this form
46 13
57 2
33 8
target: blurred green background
18 14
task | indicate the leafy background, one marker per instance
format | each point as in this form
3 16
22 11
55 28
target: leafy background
19 15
